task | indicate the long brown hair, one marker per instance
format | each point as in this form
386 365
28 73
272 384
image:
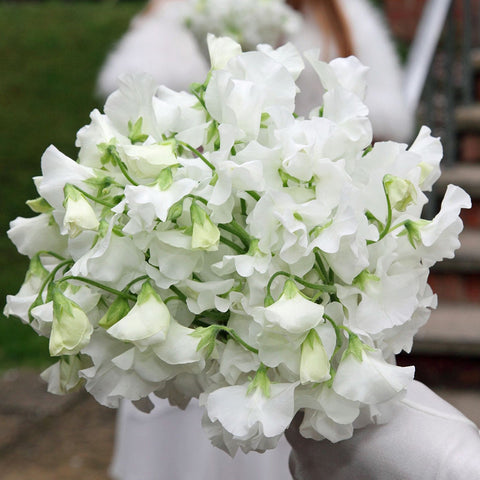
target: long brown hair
332 22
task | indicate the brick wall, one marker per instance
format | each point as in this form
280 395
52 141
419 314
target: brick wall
403 16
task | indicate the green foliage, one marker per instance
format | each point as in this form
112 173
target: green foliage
51 53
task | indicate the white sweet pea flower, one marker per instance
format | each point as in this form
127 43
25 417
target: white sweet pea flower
363 375
440 236
235 361
57 171
135 99
245 265
62 377
203 296
106 381
148 203
292 312
20 304
430 151
327 414
71 329
79 214
348 73
147 322
31 235
100 131
244 414
147 161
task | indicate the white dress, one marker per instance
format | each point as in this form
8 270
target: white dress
168 443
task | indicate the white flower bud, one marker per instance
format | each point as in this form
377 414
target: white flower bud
79 214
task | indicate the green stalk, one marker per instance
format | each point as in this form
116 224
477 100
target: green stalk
93 198
198 154
88 281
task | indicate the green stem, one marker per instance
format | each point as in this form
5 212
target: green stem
232 245
197 153
234 228
179 293
243 207
314 286
254 195
49 278
134 281
320 265
173 297
338 335
196 197
124 170
389 216
52 254
88 281
236 337
93 198
273 277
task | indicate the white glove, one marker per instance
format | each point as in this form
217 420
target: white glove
426 439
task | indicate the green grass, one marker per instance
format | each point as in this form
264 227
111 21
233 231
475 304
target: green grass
50 54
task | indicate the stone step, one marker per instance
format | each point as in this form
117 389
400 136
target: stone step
466 176
463 175
469 147
475 59
467 257
467 118
456 286
452 330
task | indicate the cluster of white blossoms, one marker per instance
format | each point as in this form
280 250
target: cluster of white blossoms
248 22
215 245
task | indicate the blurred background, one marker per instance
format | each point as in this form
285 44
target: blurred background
50 54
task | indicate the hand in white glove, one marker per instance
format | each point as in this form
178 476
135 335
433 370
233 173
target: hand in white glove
426 439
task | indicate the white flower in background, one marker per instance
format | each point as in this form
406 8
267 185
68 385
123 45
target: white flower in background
234 19
212 244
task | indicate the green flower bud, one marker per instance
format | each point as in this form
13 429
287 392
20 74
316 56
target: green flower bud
401 192
117 310
314 361
71 329
261 382
205 234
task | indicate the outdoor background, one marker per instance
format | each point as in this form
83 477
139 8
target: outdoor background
50 54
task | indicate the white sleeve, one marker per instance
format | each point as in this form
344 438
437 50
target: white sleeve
158 44
427 439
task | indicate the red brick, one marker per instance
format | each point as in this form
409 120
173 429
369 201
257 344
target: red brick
451 287
471 217
469 147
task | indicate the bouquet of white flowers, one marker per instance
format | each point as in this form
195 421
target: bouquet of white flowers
214 245
248 22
